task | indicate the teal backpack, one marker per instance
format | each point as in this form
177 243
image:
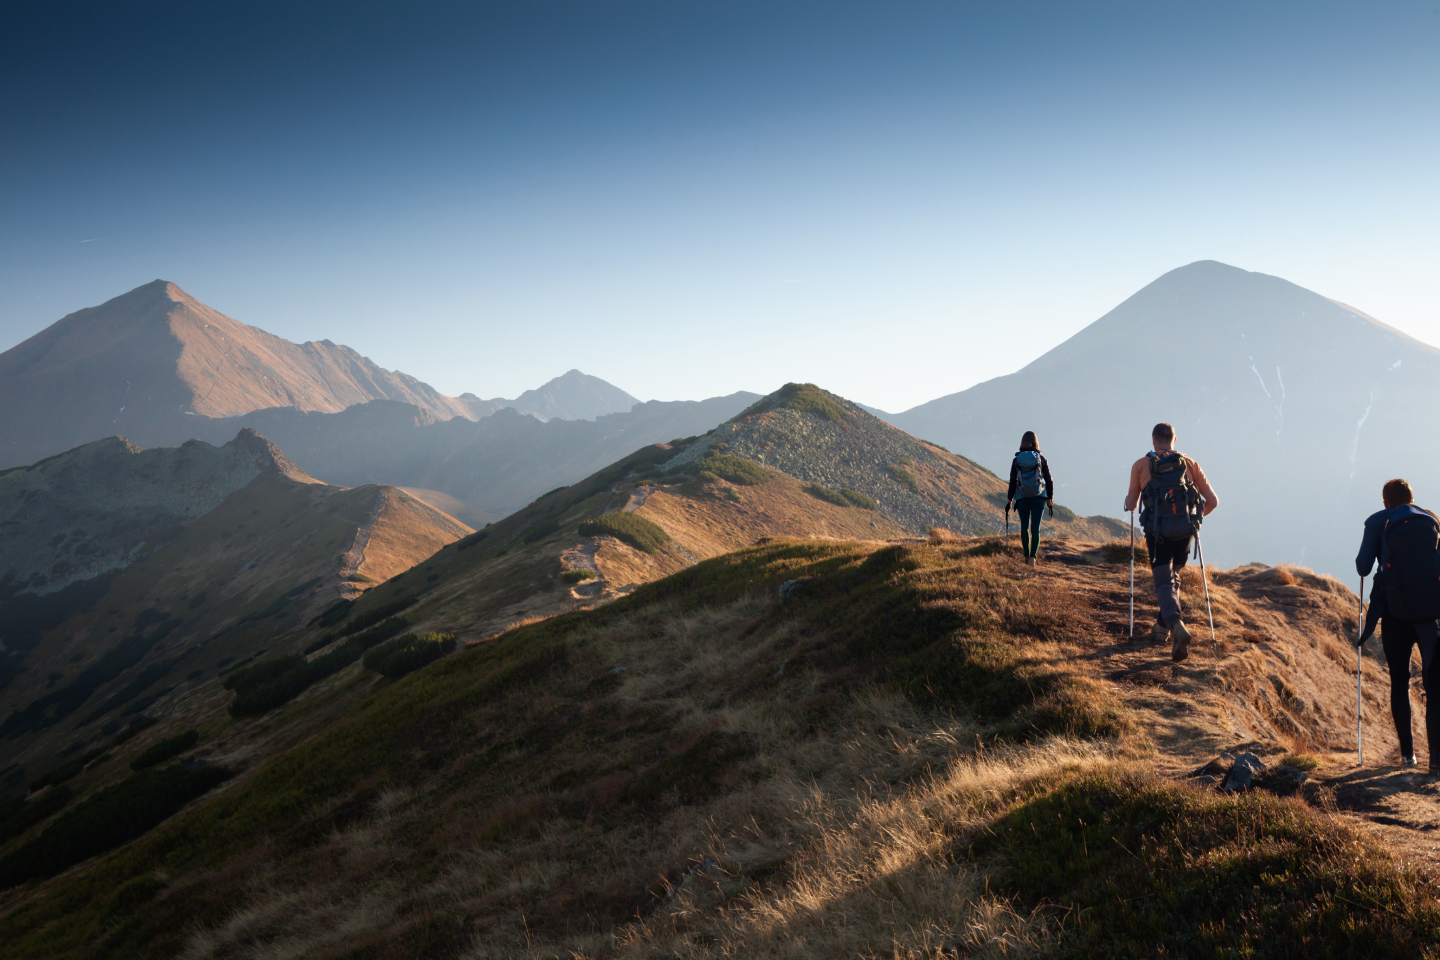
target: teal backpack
1032 481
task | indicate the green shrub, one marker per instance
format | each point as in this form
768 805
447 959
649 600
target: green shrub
747 473
258 673
828 495
67 770
1136 866
904 477
627 528
287 686
540 529
474 538
136 725
576 575
708 476
808 398
733 495
374 616
334 613
859 499
108 818
165 749
1064 513
405 654
26 815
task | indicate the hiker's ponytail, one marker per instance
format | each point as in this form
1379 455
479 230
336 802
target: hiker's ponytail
1028 442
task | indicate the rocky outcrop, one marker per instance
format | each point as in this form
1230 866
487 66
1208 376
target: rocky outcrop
97 507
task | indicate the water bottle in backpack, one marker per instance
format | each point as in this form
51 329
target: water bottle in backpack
1031 482
1171 507
1411 566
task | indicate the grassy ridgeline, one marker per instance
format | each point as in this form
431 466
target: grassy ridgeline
802 777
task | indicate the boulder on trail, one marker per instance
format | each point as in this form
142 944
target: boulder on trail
1242 775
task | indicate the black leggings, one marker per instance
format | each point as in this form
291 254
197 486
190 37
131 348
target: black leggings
1030 510
1398 637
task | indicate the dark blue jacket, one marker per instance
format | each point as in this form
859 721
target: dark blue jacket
1372 546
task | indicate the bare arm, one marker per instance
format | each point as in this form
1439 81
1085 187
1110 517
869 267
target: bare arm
1139 476
1197 477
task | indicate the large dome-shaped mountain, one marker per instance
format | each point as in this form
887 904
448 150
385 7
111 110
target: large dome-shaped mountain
1298 407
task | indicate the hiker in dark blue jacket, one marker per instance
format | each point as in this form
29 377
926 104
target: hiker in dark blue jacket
1030 478
1397 636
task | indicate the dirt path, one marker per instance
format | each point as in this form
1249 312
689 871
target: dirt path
1278 680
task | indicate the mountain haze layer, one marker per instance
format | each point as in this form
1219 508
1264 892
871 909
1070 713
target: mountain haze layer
1299 409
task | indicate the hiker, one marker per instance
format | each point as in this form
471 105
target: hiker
1402 538
1174 497
1032 490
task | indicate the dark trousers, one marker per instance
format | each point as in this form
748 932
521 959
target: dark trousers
1167 559
1398 637
1030 509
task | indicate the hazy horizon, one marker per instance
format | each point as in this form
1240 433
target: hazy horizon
896 203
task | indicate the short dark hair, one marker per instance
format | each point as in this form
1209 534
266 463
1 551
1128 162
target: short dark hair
1163 431
1397 492
1028 441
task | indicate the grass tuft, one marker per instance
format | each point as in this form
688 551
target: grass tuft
628 528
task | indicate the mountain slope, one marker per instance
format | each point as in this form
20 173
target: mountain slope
715 766
198 558
139 363
495 465
1299 409
79 514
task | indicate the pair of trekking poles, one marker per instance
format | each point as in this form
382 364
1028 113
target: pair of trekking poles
1200 552
1359 630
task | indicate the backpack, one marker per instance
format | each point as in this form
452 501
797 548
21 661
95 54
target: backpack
1171 507
1412 566
1032 481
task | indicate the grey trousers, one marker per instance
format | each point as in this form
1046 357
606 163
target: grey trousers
1167 559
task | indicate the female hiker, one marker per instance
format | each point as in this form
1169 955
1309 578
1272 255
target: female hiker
1383 530
1032 489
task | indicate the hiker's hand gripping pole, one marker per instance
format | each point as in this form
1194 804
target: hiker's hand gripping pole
1132 574
1359 673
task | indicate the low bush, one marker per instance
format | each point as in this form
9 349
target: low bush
474 539
733 495
165 749
370 617
708 476
25 815
333 614
285 687
1063 513
859 499
108 818
1169 871
828 495
406 654
746 473
67 770
904 477
576 575
628 528
136 725
540 529
258 673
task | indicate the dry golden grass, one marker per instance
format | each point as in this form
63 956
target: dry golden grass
939 536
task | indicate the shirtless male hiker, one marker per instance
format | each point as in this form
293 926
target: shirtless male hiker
1168 550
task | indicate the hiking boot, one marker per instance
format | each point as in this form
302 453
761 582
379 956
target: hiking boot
1409 762
1180 641
1159 633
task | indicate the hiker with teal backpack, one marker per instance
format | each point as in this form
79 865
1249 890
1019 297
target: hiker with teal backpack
1032 490
1174 497
1405 600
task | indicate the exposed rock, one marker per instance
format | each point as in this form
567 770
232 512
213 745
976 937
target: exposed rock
1242 775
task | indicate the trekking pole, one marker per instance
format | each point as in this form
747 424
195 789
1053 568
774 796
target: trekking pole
1132 574
1359 672
1200 549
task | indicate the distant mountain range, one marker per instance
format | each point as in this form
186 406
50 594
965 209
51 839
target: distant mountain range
1298 407
145 363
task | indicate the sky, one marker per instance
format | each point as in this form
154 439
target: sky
894 200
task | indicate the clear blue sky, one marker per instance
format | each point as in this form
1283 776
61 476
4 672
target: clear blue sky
895 200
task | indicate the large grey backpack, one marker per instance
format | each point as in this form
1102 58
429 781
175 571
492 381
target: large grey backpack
1171 507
